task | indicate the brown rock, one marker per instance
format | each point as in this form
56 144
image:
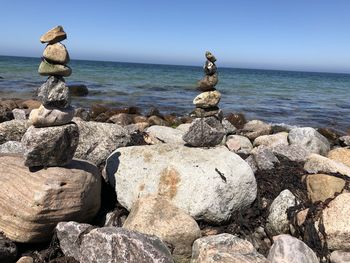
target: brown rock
56 53
122 119
256 128
322 186
54 35
32 203
210 56
172 120
30 104
331 134
97 109
208 83
236 119
25 259
78 90
208 112
8 105
340 155
155 120
140 118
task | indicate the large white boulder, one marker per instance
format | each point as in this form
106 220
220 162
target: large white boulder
209 184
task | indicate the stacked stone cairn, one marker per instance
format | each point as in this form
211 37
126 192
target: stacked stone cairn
207 129
53 138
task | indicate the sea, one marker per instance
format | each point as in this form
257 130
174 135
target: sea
278 97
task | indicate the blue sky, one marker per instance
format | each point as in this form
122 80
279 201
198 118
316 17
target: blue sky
310 35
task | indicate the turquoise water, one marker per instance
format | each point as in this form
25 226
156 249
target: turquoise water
296 98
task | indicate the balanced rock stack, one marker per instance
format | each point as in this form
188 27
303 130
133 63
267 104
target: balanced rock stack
207 130
53 138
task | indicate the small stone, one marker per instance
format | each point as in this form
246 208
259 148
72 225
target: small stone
25 259
210 56
12 130
46 117
236 119
273 140
54 93
209 68
166 134
156 120
208 112
50 146
30 104
344 140
8 249
252 163
264 158
207 99
11 147
54 35
82 114
56 53
339 256
122 119
208 82
293 152
255 128
340 155
239 144
317 163
229 128
20 114
205 132
47 69
322 186
78 90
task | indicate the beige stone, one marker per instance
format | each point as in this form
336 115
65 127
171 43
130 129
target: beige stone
32 203
341 155
44 117
272 140
57 53
316 163
155 215
54 35
25 259
207 99
322 186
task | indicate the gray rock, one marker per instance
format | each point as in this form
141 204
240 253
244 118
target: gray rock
20 114
51 146
207 112
70 235
12 130
184 127
255 128
210 56
293 152
317 163
46 117
229 128
166 134
54 93
8 250
11 147
98 140
291 250
225 248
309 139
48 69
339 256
264 158
251 162
345 140
209 184
209 68
277 221
25 259
205 132
208 82
239 144
111 244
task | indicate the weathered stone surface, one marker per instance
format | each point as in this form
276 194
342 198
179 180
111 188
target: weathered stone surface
12 130
46 117
70 235
229 128
8 250
98 140
239 144
122 119
56 53
111 244
155 215
50 146
20 114
264 158
79 90
30 104
156 120
317 163
25 259
345 140
277 221
336 222
54 35
166 134
309 139
209 184
205 132
255 128
322 186
54 93
32 203
225 248
209 68
251 162
236 119
210 56
184 127
208 82
207 99
340 257
293 152
341 155
48 69
288 249
11 147
207 112
273 140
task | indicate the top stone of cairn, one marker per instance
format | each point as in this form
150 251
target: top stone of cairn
210 56
54 35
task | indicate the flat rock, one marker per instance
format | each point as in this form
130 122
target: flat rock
12 130
11 147
206 112
155 215
20 114
239 144
46 117
336 221
209 184
339 256
166 134
207 99
317 163
8 250
288 249
54 35
112 244
48 69
98 140
54 93
309 139
205 132
264 158
50 146
272 140
224 248
322 186
229 128
208 82
34 202
277 220
345 140
122 119
210 56
293 152
340 155
56 53
255 128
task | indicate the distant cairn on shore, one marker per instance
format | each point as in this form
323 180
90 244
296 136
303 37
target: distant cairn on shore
207 130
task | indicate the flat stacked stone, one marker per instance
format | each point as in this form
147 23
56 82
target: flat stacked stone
207 130
53 139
